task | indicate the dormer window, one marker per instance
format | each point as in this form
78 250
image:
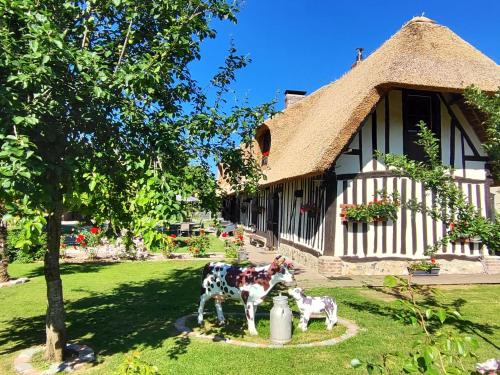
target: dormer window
419 106
265 146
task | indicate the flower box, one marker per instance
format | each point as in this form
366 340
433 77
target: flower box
429 272
346 219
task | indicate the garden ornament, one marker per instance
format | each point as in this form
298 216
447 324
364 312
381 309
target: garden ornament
249 285
280 321
309 306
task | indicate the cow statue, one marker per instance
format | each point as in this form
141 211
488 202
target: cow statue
248 284
309 306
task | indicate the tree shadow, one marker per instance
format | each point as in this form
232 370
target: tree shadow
131 315
71 268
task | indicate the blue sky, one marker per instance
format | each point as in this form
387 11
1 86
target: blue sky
305 44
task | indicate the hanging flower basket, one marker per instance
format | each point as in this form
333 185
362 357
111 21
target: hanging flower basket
310 209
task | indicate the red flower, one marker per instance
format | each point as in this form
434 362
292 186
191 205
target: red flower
265 153
433 261
94 230
224 234
173 236
80 238
240 237
452 226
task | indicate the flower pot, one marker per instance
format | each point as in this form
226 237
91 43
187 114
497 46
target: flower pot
429 272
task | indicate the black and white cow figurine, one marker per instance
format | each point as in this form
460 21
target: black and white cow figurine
314 305
248 284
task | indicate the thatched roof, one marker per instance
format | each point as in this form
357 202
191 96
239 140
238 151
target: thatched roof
309 135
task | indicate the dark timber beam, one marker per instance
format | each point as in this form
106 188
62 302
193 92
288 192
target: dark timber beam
330 212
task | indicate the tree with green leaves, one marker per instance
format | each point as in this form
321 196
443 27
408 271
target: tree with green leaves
489 106
99 109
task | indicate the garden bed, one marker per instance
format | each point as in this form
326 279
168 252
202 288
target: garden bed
234 331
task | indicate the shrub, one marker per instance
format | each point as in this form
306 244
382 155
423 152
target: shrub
199 245
134 365
24 254
169 245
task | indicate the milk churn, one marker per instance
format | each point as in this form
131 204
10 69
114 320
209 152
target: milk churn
281 321
242 254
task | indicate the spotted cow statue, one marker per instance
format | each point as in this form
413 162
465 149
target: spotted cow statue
248 284
309 306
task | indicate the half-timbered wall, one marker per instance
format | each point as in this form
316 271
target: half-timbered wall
303 228
295 225
359 176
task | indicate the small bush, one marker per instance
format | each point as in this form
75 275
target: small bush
134 365
199 245
24 255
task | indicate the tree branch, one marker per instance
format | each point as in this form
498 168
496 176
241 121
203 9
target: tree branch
124 44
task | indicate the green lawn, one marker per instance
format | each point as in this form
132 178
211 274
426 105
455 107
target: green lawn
216 244
116 308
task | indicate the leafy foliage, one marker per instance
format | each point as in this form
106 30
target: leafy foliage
24 254
489 105
450 205
99 113
198 245
440 351
134 365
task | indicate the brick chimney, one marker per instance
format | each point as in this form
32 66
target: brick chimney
293 96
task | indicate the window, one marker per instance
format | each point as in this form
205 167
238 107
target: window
418 107
265 146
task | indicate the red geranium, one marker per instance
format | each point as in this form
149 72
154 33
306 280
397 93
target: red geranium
433 261
224 234
173 235
240 237
80 238
94 230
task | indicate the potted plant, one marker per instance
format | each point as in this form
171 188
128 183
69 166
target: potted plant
310 209
424 268
265 157
460 231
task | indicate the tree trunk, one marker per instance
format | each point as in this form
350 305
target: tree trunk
4 262
55 326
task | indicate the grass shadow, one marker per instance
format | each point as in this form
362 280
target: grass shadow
131 315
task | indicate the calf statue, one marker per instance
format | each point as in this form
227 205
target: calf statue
314 305
248 284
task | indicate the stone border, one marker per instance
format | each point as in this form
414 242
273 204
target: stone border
12 282
352 330
22 363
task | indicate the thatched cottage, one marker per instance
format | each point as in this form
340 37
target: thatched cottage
318 155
